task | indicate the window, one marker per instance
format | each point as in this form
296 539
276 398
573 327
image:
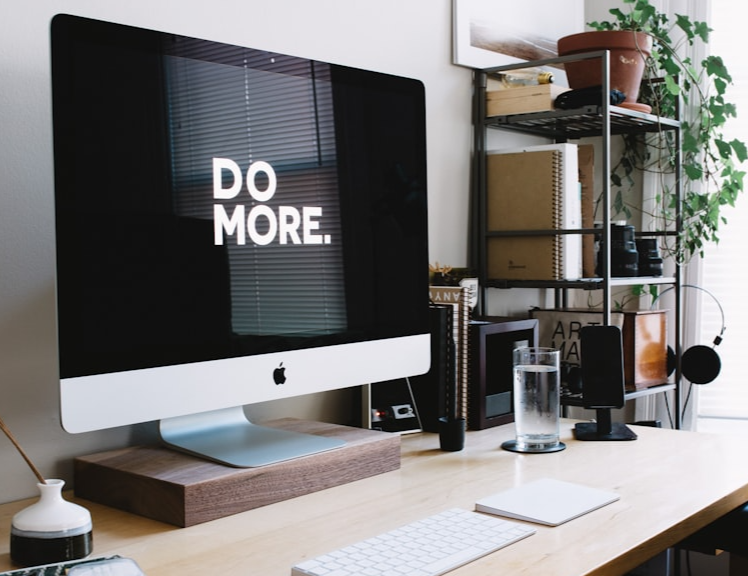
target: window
723 404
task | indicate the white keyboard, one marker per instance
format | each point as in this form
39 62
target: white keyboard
427 547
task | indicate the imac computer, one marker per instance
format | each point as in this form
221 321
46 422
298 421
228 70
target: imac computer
232 226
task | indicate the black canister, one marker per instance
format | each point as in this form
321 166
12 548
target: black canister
650 261
624 258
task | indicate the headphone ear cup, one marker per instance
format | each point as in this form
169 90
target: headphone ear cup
671 361
700 364
574 380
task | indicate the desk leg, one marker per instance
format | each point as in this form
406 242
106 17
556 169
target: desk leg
738 565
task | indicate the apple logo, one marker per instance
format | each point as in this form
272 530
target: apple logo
279 374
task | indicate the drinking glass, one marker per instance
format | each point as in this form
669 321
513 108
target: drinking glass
537 400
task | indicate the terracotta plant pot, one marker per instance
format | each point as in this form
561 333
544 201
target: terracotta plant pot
628 54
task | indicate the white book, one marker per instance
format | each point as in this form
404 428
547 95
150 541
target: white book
571 203
547 501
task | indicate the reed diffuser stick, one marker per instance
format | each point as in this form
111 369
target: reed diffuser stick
12 438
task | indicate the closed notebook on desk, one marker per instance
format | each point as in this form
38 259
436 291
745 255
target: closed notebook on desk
534 189
547 501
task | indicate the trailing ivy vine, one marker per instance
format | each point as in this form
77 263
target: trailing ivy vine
711 171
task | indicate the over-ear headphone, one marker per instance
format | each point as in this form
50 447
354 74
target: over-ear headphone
700 364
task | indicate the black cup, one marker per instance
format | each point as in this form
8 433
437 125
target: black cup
451 434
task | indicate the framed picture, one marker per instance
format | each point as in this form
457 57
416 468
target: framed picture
491 384
490 33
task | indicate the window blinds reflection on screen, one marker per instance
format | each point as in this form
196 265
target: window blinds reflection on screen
279 110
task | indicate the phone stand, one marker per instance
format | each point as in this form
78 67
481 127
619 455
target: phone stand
603 429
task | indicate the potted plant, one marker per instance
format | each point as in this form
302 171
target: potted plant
628 58
711 177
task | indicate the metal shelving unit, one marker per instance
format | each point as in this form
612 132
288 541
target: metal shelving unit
603 121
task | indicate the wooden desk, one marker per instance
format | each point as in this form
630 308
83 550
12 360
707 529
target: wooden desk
671 483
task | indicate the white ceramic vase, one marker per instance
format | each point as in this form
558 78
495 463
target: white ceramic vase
50 530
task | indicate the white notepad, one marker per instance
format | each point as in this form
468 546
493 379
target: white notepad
547 501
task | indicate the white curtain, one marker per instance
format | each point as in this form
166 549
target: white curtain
723 404
663 406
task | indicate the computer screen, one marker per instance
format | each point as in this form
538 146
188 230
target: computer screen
232 225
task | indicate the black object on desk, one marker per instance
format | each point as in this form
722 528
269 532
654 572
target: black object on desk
603 384
452 424
491 384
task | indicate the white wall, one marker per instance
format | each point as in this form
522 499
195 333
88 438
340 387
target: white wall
405 37
410 38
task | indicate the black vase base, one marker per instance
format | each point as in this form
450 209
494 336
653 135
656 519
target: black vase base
29 551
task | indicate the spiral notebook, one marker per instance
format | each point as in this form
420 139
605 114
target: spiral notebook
534 188
547 501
